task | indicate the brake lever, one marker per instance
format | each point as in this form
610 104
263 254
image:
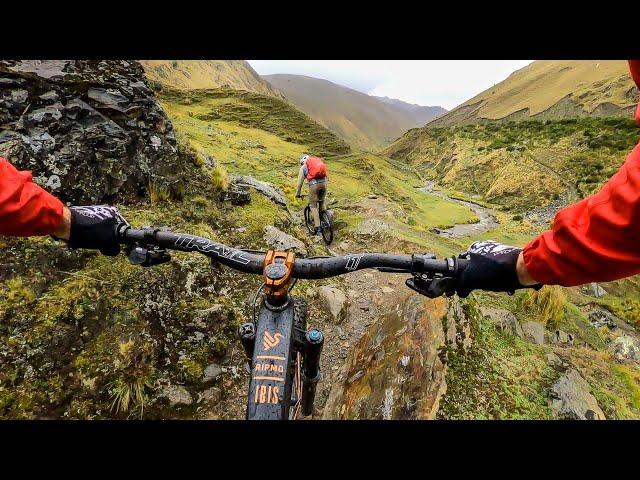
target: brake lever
147 257
431 287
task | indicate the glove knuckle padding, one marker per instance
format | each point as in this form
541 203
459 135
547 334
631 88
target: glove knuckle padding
94 227
492 266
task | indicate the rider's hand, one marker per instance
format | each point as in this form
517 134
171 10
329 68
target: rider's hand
492 267
94 227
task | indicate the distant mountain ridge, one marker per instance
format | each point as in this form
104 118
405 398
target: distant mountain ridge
422 114
363 120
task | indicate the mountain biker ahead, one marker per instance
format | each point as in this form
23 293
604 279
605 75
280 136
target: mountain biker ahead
315 171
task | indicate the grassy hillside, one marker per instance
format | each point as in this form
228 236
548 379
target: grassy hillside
217 111
520 165
552 89
195 74
364 121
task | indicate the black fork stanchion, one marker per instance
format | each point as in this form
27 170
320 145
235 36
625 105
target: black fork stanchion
311 369
247 333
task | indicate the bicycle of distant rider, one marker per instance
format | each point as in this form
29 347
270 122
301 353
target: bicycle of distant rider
326 225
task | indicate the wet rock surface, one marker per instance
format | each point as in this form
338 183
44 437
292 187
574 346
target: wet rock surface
397 369
91 131
571 398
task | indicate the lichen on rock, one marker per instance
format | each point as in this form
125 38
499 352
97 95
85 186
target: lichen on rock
91 131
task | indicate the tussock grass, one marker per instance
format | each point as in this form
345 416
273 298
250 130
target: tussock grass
219 179
158 192
549 303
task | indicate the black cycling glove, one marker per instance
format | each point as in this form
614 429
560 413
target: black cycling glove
94 227
492 267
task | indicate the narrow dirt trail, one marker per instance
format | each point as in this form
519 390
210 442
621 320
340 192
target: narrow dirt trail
370 293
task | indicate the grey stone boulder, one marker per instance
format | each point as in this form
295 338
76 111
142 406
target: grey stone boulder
626 348
210 397
270 191
278 240
594 289
554 360
504 320
371 227
534 332
176 395
211 373
571 398
334 301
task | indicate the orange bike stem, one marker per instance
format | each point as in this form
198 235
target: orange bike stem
277 273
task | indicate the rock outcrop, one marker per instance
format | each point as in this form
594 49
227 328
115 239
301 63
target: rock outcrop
397 370
91 131
571 398
279 240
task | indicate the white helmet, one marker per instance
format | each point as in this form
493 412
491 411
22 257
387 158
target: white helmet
303 159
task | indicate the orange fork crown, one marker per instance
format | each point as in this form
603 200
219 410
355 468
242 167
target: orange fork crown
277 273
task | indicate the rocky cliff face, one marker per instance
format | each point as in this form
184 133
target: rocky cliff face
91 131
397 370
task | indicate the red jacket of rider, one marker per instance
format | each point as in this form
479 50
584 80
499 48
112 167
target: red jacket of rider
25 208
598 238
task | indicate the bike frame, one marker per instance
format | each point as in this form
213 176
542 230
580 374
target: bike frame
271 365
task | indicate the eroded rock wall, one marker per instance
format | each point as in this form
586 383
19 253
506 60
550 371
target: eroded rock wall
91 131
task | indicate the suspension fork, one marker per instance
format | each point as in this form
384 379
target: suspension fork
314 341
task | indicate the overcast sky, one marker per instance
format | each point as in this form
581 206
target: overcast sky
446 83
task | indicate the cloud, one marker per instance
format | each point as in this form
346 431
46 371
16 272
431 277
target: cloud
447 83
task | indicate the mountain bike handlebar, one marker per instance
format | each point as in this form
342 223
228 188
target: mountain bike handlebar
304 268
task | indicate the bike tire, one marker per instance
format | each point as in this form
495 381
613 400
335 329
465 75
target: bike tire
326 228
308 219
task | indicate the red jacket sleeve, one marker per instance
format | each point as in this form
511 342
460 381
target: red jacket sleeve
598 238
25 208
